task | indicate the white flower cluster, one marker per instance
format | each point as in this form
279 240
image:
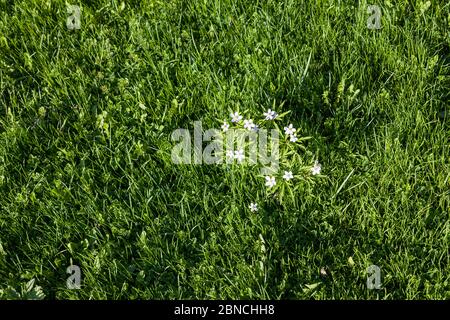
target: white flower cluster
239 155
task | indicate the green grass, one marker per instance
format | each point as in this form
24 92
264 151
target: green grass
111 201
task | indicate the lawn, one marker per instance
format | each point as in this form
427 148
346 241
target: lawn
87 173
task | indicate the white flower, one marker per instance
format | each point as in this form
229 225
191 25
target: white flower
255 128
293 138
290 130
253 207
316 169
239 155
235 117
270 181
230 154
270 114
248 124
225 126
288 175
